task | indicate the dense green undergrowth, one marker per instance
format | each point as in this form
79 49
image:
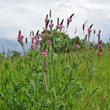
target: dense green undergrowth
74 82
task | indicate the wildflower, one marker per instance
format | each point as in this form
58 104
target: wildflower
69 19
44 53
89 30
43 35
20 37
100 53
46 20
49 42
32 45
78 46
98 35
60 26
51 25
33 37
38 40
99 46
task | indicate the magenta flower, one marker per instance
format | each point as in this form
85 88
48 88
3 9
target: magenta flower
33 37
51 25
99 54
78 46
32 45
99 46
60 26
69 19
49 42
46 20
38 40
20 37
44 53
98 35
89 30
43 35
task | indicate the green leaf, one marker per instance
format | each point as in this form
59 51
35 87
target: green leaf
24 90
95 90
33 83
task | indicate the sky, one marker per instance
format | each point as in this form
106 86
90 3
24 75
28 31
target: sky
29 15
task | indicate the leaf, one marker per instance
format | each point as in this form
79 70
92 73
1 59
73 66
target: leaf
55 56
95 90
26 92
46 102
33 83
37 75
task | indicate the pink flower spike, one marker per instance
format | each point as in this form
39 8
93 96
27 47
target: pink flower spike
32 45
44 53
98 35
60 27
89 30
49 42
22 37
38 40
51 25
99 46
18 39
33 37
78 46
99 54
69 19
46 20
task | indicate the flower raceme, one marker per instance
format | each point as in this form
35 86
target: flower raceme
46 20
51 25
32 45
44 53
99 46
20 37
49 42
43 35
89 30
78 46
100 53
98 35
60 26
69 19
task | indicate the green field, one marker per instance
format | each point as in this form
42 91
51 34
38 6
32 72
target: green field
74 81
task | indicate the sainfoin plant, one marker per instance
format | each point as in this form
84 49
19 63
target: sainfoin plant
62 75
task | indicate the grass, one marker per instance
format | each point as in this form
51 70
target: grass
73 82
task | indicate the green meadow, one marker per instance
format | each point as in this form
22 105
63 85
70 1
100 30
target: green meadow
74 82
64 74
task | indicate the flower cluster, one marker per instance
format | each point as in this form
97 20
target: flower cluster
60 26
20 39
51 25
100 53
69 19
49 42
43 35
89 30
44 53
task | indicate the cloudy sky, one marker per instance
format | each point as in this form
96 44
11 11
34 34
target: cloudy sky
29 15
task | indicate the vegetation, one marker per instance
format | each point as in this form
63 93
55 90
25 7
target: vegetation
65 74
